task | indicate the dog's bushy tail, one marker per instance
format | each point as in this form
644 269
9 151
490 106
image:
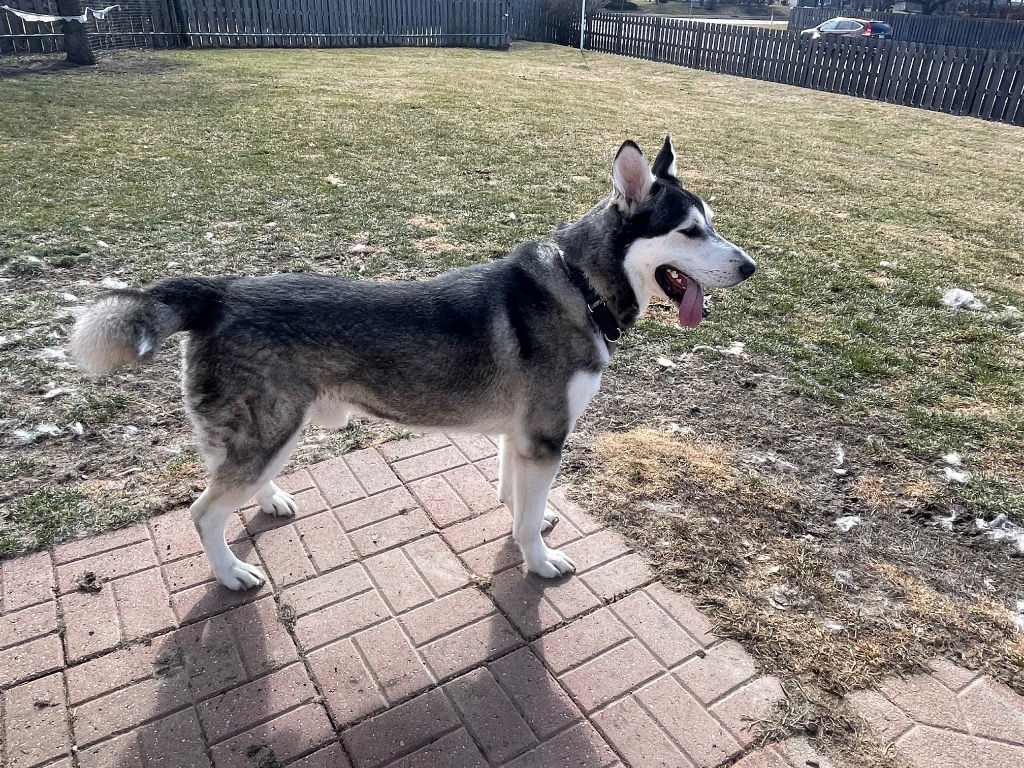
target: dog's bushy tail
127 327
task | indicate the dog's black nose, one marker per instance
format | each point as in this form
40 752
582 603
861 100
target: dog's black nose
747 268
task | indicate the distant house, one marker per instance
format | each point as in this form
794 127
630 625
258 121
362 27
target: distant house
907 6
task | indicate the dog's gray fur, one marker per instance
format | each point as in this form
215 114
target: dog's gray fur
507 348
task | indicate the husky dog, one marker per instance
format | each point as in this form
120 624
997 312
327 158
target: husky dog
515 348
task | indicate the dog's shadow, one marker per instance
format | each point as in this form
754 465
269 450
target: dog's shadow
508 706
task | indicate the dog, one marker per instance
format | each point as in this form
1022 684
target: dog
515 348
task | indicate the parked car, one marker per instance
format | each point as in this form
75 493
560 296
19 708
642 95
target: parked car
844 27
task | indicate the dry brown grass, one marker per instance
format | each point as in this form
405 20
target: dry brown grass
435 245
648 464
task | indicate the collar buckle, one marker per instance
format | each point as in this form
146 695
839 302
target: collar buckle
597 307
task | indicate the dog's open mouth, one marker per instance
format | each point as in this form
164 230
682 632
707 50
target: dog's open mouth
685 292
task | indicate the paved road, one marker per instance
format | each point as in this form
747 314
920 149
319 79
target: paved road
724 20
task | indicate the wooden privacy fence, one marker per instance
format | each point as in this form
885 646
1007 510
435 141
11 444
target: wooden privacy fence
962 81
321 23
946 30
276 23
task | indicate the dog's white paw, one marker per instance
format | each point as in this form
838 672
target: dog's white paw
277 503
504 493
548 563
239 575
550 518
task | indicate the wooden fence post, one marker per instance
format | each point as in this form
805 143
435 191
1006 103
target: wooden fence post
698 46
805 73
748 65
882 78
976 95
657 38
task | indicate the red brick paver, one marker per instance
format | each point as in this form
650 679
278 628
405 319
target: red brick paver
400 630
951 716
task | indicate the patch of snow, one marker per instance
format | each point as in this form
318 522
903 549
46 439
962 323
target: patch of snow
946 523
130 430
840 459
69 297
1017 615
77 428
102 243
735 349
58 356
833 626
846 579
1011 311
770 459
674 428
511 216
953 459
664 362
847 523
886 264
336 181
958 298
29 436
359 248
956 475
783 597
113 284
57 392
1001 528
664 510
33 259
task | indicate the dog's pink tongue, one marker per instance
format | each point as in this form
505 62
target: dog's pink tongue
691 308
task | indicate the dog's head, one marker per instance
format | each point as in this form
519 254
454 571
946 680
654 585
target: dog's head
662 236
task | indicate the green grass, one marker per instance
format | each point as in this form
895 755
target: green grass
219 161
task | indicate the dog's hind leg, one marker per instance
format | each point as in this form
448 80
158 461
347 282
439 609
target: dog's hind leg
245 469
210 514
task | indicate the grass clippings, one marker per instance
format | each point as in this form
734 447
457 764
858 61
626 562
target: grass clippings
287 615
262 756
89 582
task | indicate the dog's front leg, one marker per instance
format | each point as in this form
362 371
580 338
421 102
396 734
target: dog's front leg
533 476
507 479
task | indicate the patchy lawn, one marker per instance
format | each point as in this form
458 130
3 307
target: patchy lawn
722 462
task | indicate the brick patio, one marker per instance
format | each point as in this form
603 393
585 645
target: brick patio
374 645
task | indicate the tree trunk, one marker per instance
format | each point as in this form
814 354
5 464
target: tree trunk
76 42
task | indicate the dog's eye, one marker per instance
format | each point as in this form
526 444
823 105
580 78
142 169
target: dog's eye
691 231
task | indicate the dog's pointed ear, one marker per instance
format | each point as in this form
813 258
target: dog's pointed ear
631 176
665 163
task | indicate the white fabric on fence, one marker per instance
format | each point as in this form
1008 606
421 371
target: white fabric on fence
47 18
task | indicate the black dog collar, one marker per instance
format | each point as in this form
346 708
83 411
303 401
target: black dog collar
597 306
